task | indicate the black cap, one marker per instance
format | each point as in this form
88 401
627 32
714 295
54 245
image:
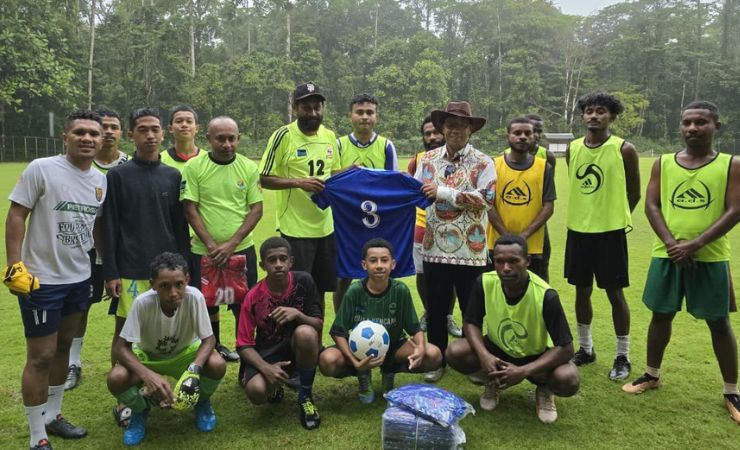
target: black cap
306 90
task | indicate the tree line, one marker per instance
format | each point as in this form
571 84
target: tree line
244 57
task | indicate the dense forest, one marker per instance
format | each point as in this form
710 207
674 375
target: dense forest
242 58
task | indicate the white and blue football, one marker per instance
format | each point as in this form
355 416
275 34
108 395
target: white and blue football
369 339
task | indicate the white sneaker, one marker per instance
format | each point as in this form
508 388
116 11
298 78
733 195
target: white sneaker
452 327
434 375
489 398
545 401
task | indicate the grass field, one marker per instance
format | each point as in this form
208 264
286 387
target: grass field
687 412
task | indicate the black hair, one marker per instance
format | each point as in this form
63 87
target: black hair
376 243
518 120
104 111
180 108
512 239
82 114
143 112
706 105
167 261
363 98
600 98
274 242
427 119
533 117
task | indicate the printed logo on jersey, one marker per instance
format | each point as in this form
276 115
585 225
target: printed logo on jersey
517 193
99 193
167 344
73 234
688 195
240 184
329 152
77 207
476 238
183 185
510 334
591 177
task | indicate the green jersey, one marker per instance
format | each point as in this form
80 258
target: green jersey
691 200
393 309
173 159
598 187
518 329
292 154
379 153
224 193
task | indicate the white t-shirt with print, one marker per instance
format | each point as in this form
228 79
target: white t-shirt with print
162 337
64 202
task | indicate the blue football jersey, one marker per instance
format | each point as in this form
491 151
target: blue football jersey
366 204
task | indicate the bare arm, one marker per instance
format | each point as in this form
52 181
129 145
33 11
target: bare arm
15 231
540 219
361 365
567 155
474 335
286 314
313 185
653 207
98 238
511 374
196 221
496 222
204 351
631 174
157 385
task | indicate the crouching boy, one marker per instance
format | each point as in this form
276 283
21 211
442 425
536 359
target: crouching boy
169 325
383 300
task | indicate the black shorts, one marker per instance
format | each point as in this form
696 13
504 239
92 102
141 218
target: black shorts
317 256
281 351
97 281
603 255
251 274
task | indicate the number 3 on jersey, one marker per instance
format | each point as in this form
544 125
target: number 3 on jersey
316 168
370 208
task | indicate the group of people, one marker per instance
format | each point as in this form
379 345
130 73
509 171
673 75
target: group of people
167 235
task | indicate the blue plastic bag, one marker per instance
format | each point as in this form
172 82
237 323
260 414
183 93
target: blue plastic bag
430 402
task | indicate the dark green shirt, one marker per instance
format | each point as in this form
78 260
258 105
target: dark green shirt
393 309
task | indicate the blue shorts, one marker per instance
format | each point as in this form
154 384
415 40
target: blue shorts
43 309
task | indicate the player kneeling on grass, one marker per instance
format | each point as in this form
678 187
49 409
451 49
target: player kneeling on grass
386 301
169 325
279 327
528 334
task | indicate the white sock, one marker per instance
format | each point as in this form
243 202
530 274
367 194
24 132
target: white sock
35 417
731 388
652 371
584 337
623 345
75 352
54 403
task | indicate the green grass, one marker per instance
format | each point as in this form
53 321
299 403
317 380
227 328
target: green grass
687 412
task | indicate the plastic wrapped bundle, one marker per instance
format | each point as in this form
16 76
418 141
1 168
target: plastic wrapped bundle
430 402
404 430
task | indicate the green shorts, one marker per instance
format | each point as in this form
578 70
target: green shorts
174 366
706 287
130 289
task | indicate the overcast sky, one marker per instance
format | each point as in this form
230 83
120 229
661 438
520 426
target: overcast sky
582 7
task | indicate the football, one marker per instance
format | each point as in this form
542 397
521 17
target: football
369 339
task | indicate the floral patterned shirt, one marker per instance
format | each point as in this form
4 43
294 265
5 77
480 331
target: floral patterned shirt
456 221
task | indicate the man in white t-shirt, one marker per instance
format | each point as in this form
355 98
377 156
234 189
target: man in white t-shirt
49 267
170 327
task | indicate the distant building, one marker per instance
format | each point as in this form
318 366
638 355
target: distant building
557 142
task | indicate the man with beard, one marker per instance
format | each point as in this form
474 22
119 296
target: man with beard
526 193
431 139
299 158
